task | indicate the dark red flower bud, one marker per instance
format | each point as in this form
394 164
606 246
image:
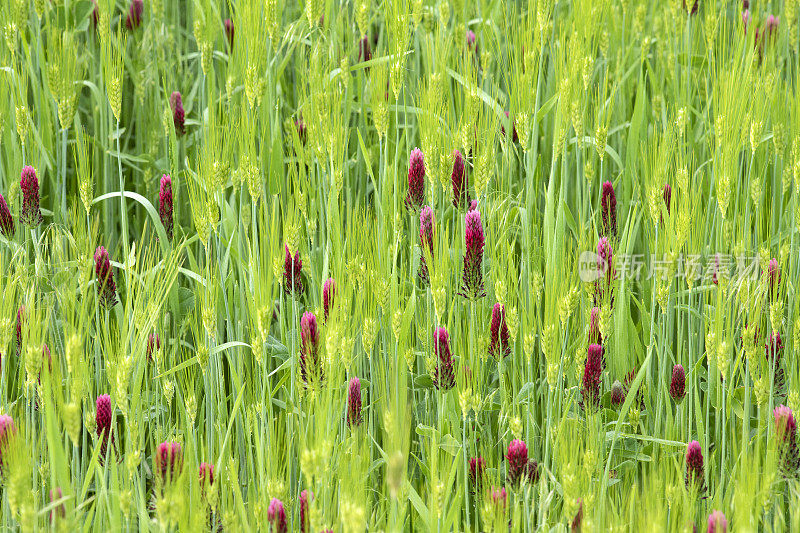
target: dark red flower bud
20 321
364 49
6 220
717 523
499 343
134 18
310 368
228 23
416 180
694 465
178 117
474 240
667 196
444 376
165 204
328 296
106 288
426 223
608 206
477 466
517 457
276 516
592 375
472 41
354 402
677 387
292 268
206 475
29 184
459 179
102 419
168 461
153 345
514 135
305 497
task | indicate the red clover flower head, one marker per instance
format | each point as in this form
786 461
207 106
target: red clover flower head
29 184
608 206
499 343
443 376
229 32
292 269
106 288
153 345
328 296
134 17
165 204
354 402
426 223
276 516
309 348
7 431
206 472
592 374
517 457
305 497
677 387
694 464
717 523
6 220
459 179
416 179
178 116
168 460
477 466
474 240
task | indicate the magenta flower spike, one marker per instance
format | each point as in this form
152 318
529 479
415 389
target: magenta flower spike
354 402
228 24
459 179
694 465
717 523
444 376
477 466
608 206
134 18
153 345
276 517
677 386
499 339
474 240
517 457
426 222
6 220
292 270
106 288
305 498
328 296
102 417
165 204
7 431
206 473
29 184
416 180
786 436
592 375
309 348
178 116
168 461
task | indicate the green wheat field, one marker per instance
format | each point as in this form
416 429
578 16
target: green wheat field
399 265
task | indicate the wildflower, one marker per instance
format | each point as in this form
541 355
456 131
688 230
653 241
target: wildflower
472 42
773 277
594 326
608 206
29 184
292 281
717 523
473 206
20 320
667 196
364 49
605 272
153 345
102 419
499 332
426 222
592 374
206 475
300 126
459 179
517 456
472 282
694 465
443 376
328 295
134 18
309 348
677 387
106 288
354 402
6 220
228 23
575 526
168 461
58 511
305 496
276 516
165 204
477 466
178 117
416 179
617 394
786 434
7 430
